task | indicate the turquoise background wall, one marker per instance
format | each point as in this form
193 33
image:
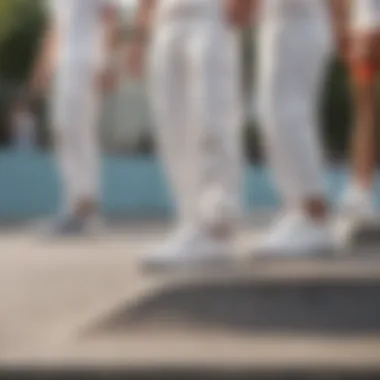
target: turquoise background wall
132 187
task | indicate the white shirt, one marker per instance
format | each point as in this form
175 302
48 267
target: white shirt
365 14
79 29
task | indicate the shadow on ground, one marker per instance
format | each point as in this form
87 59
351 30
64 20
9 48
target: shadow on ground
248 305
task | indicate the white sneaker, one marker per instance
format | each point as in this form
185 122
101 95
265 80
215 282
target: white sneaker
70 226
356 210
296 235
358 203
190 247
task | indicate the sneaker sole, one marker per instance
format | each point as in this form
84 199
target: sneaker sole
216 262
327 252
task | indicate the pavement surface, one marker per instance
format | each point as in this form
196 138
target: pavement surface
54 292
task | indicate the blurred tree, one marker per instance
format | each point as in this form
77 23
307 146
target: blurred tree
336 111
145 145
21 25
252 141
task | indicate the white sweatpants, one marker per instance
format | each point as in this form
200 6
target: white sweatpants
292 58
195 70
75 111
365 15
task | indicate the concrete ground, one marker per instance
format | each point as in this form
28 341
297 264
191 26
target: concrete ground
52 292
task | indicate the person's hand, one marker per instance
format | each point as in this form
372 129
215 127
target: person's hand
40 80
239 12
107 80
136 59
366 47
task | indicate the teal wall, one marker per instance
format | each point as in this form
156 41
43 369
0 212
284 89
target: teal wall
29 186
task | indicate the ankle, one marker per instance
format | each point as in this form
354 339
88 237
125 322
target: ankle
86 208
316 209
222 230
361 186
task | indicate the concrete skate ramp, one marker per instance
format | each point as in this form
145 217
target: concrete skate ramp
87 305
310 296
300 319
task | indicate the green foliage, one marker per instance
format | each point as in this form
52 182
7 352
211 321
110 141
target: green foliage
336 111
145 144
251 141
21 25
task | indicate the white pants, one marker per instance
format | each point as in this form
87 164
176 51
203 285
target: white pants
75 113
195 70
365 15
293 55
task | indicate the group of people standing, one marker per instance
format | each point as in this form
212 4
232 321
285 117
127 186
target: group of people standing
191 52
